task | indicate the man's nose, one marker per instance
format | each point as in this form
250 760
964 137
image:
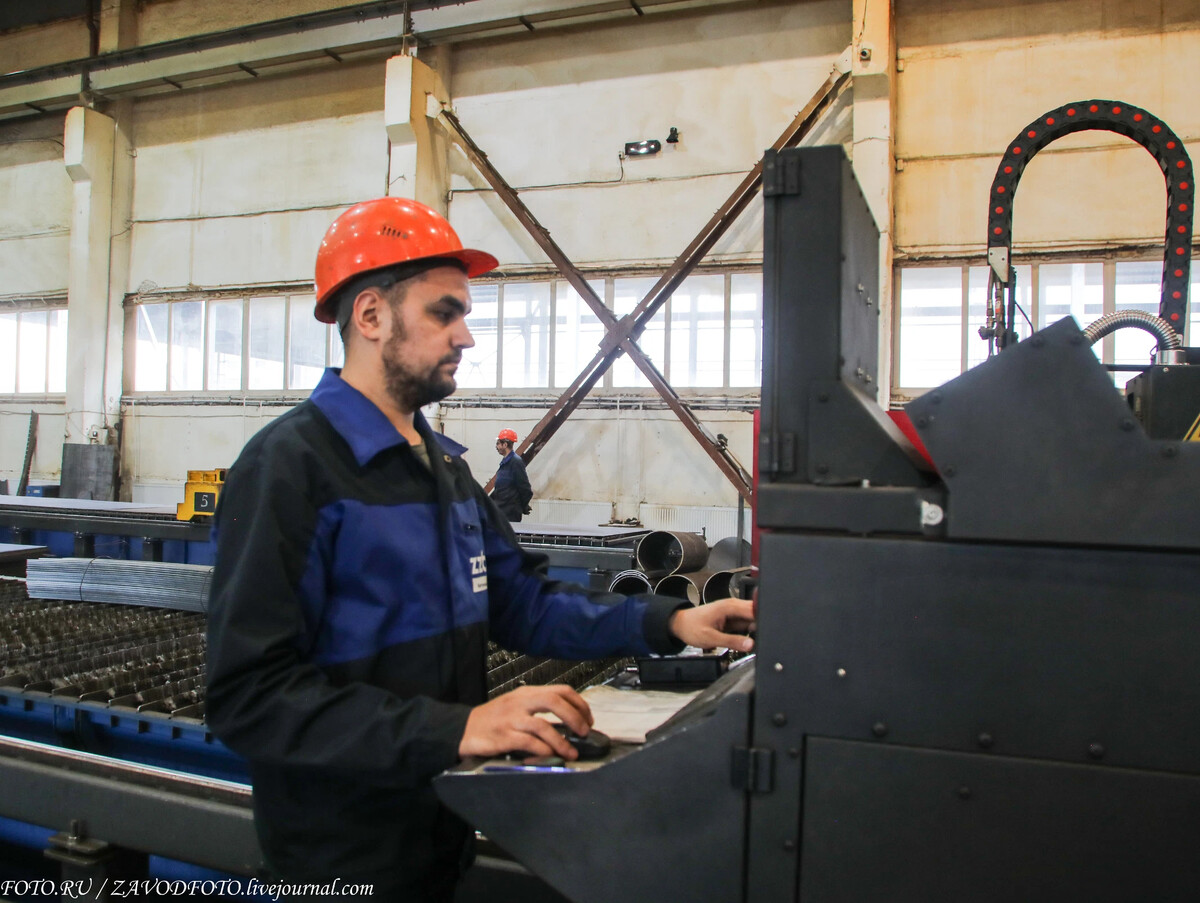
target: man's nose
462 336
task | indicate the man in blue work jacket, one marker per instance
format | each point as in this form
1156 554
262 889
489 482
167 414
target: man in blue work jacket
361 571
511 491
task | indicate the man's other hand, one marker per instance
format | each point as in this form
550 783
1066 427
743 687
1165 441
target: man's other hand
510 722
721 623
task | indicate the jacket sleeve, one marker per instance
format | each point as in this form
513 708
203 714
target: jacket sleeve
531 613
521 482
265 700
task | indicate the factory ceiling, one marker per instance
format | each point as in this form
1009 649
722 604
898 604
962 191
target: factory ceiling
19 15
325 38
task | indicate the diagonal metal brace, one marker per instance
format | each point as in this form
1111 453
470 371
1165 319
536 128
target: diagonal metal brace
621 334
617 338
633 324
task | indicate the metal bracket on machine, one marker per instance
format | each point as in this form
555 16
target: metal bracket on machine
852 440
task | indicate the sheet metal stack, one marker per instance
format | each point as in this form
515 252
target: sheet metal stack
155 584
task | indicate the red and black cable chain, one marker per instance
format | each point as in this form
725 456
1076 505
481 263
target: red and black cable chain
1148 131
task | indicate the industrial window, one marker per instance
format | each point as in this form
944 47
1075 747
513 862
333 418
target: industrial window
479 365
33 348
258 343
525 334
539 334
626 295
529 334
941 308
577 331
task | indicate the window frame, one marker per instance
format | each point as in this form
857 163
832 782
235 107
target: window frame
900 394
607 280
292 294
43 304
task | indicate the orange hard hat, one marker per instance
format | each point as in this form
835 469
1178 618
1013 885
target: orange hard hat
382 233
507 436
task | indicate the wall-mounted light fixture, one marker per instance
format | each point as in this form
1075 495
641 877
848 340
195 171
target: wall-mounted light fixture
642 148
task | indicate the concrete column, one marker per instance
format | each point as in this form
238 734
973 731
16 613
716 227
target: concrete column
419 164
118 31
118 24
93 332
119 346
873 61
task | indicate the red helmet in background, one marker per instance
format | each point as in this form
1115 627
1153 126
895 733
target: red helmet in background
382 233
507 436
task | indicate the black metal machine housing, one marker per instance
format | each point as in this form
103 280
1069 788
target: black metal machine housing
975 683
991 713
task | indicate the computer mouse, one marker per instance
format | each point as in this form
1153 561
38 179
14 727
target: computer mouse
592 745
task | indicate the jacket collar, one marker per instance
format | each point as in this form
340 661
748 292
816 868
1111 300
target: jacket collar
364 427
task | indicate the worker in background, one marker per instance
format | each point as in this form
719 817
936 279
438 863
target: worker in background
511 491
360 571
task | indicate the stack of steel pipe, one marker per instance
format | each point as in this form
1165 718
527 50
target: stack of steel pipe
661 553
719 584
155 584
631 583
679 564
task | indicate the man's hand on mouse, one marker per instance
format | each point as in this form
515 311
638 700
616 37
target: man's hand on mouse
721 623
510 722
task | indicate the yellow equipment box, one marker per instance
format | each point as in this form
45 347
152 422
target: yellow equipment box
200 494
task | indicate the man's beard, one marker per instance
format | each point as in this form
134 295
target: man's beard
408 389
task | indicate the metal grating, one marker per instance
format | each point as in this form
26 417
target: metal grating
509 670
151 659
125 656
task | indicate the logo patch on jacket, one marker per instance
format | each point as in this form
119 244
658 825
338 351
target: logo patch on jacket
479 573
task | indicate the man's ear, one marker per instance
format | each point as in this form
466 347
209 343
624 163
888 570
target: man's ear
370 313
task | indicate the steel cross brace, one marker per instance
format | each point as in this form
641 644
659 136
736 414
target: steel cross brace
621 335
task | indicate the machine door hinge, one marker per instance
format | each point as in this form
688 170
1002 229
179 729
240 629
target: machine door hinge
780 174
753 769
778 453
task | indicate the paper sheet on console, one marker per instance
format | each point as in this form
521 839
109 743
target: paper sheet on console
628 715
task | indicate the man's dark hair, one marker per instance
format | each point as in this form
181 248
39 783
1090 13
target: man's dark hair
383 279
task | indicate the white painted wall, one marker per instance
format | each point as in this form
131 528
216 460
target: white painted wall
168 20
14 434
43 45
975 72
34 237
234 184
557 109
729 82
161 440
35 217
642 451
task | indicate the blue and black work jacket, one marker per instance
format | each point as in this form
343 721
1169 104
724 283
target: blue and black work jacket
354 593
511 492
